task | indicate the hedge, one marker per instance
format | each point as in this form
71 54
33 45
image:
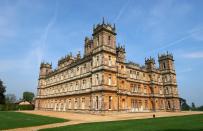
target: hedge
11 107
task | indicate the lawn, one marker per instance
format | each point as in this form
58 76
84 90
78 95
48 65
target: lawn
179 123
10 120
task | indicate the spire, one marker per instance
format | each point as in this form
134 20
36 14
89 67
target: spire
114 26
93 26
103 21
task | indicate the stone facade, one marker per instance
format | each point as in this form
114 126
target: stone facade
102 80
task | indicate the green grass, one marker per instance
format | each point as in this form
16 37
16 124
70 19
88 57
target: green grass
10 120
179 123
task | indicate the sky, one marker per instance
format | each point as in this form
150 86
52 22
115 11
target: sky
32 31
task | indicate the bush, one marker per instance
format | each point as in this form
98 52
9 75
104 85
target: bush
2 107
26 107
13 107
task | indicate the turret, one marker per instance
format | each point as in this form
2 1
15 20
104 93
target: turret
166 66
150 63
166 61
120 52
104 34
45 69
88 46
78 56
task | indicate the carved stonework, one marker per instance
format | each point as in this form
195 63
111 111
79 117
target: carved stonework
103 81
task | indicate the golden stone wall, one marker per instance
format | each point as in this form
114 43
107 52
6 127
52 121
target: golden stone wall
102 80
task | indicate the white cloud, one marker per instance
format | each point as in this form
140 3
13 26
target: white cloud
198 33
121 11
193 55
185 70
33 56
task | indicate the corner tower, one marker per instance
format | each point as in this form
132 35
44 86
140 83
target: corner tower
104 67
45 69
104 35
166 67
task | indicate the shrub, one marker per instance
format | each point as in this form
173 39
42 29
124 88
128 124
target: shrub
26 107
2 107
11 107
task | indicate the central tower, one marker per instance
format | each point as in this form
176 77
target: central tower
104 35
104 67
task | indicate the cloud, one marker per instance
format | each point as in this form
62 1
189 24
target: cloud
178 41
34 55
39 50
185 70
121 11
197 33
194 55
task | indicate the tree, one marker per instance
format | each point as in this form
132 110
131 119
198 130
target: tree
10 98
2 91
184 105
193 106
200 108
28 96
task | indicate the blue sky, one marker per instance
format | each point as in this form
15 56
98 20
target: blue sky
35 30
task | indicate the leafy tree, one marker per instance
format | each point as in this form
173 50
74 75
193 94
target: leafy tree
2 91
193 106
184 105
200 108
10 98
28 96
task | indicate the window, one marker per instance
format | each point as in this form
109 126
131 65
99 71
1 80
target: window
161 92
110 102
83 103
97 102
97 40
97 78
76 103
109 79
97 60
169 105
91 80
146 104
77 87
109 60
84 67
139 88
137 73
145 89
83 84
164 65
109 40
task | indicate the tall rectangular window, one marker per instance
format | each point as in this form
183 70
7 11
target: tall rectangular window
97 102
110 102
109 79
110 63
109 40
97 79
97 40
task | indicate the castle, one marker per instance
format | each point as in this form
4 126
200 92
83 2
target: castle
102 80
